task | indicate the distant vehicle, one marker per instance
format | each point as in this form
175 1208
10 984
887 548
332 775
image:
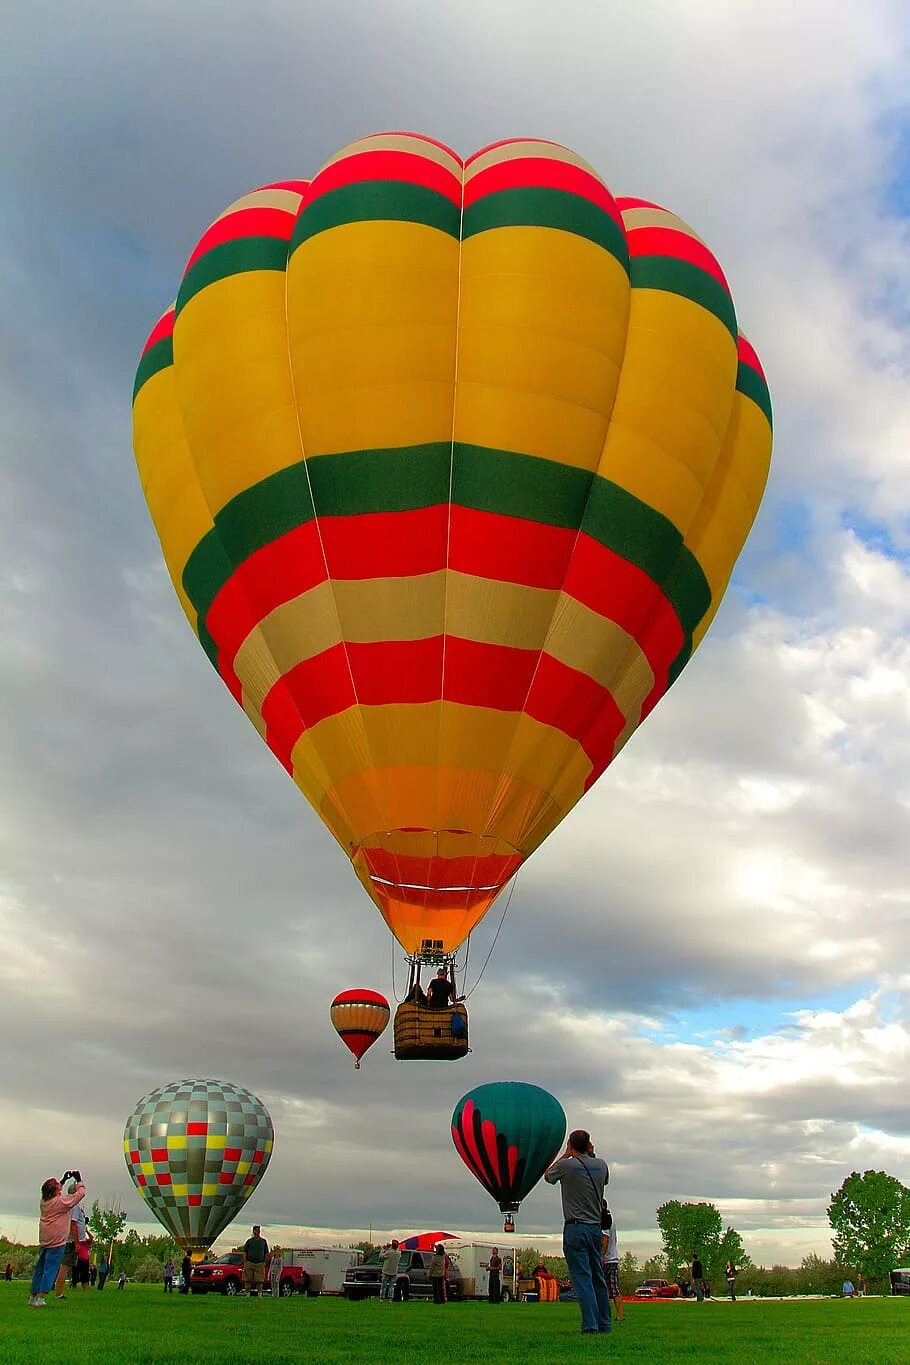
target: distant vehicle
304 1270
470 1261
412 1280
325 1266
900 1281
224 1275
658 1289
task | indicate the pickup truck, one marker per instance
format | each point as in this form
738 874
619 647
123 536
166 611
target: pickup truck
412 1281
225 1276
658 1289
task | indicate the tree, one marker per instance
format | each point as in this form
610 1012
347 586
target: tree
629 1273
106 1225
730 1248
687 1229
870 1220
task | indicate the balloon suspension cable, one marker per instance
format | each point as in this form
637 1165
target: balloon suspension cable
398 998
502 920
467 958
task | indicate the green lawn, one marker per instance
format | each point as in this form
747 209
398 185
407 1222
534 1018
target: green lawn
142 1326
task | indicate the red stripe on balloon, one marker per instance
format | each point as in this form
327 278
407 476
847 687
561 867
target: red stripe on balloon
360 997
467 1130
544 173
164 327
255 221
468 1160
511 142
509 549
385 164
670 241
488 1134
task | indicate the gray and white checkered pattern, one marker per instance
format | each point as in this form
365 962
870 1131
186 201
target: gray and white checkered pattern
196 1151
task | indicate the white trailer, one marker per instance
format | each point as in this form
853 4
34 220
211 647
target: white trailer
470 1260
324 1265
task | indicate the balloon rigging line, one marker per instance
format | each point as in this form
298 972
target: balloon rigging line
502 920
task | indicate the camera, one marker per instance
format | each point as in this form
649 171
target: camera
71 1175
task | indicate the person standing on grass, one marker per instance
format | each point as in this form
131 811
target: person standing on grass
494 1268
104 1270
169 1276
388 1267
186 1271
581 1176
730 1274
255 1251
121 1279
610 1252
436 1273
698 1278
54 1226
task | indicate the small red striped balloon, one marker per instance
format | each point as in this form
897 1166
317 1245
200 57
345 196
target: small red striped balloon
360 1017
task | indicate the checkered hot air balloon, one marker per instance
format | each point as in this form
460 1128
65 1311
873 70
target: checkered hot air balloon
359 1016
507 1133
196 1150
451 462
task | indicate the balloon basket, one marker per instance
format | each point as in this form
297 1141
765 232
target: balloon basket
423 1034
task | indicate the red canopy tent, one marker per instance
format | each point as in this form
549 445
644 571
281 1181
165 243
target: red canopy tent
424 1241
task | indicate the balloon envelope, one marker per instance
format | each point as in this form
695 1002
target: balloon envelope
507 1133
360 1017
196 1150
451 462
425 1241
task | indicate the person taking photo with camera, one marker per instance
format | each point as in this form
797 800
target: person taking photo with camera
581 1176
55 1217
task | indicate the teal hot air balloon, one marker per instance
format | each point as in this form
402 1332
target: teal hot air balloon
507 1133
196 1150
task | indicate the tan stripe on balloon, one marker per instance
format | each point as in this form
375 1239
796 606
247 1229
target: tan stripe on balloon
656 217
265 199
398 142
551 151
478 609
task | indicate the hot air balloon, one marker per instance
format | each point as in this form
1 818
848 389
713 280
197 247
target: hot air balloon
360 1017
451 462
196 1150
507 1134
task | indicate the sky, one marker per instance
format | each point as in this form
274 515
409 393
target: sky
708 961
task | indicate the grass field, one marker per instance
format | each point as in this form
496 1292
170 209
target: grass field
143 1326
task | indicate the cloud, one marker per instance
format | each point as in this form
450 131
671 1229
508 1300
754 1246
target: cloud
169 905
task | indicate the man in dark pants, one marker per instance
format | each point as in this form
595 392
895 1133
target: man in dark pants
698 1278
494 1266
581 1177
186 1270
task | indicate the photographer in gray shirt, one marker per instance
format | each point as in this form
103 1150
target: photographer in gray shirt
581 1177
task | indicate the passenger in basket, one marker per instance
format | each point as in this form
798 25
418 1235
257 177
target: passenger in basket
440 991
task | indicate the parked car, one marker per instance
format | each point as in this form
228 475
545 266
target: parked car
412 1281
224 1275
658 1289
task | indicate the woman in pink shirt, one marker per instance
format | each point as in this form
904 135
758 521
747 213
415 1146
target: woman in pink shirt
53 1231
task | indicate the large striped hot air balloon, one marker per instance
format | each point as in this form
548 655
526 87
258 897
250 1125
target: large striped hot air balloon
196 1150
359 1017
451 462
507 1134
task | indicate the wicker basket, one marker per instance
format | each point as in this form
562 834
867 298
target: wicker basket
426 1035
